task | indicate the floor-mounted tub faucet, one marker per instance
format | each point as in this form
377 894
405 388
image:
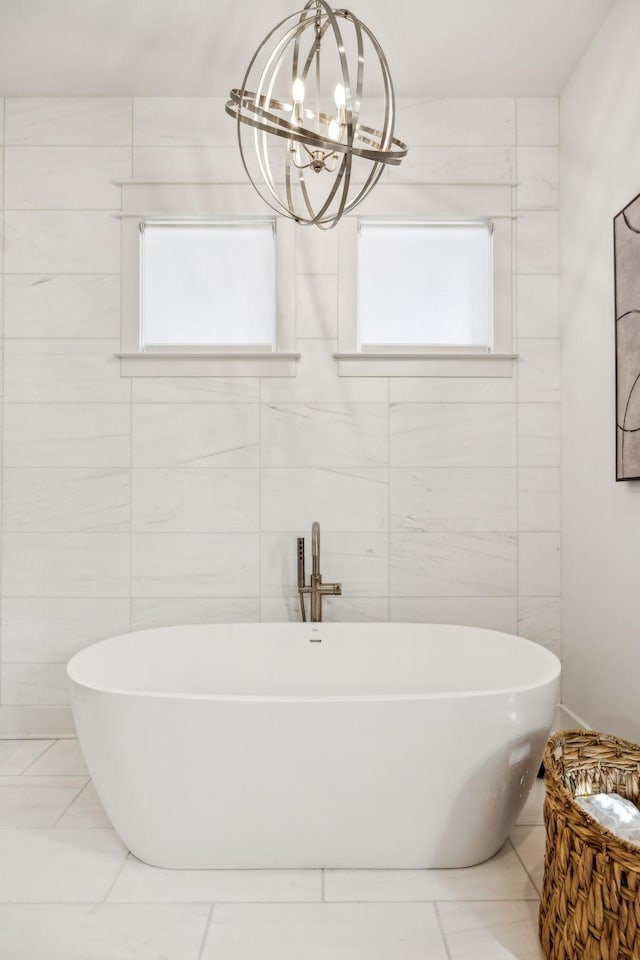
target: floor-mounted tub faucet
317 589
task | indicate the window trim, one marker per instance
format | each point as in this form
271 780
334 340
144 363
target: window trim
194 360
425 360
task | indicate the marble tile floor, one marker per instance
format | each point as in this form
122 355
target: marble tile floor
69 890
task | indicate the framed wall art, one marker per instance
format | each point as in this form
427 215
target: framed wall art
626 241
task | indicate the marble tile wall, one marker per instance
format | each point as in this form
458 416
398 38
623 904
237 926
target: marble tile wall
129 503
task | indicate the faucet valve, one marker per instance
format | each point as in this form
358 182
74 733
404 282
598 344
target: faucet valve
316 588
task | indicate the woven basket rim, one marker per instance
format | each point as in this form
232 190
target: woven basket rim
595 735
557 793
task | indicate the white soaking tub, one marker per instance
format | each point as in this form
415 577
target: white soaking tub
313 745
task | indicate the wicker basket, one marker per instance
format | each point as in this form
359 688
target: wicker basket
590 904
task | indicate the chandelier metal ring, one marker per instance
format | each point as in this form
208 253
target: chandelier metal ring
291 140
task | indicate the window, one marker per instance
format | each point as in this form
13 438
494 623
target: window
425 296
206 284
424 284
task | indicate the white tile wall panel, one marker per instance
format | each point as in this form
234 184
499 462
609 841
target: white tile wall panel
61 241
453 564
539 498
353 499
457 121
195 389
324 435
316 251
74 499
539 564
71 307
538 242
316 308
453 498
64 371
187 500
456 164
540 619
538 178
538 371
198 164
195 435
452 435
65 178
34 684
194 564
66 564
182 122
52 629
316 381
17 722
149 612
452 390
538 306
68 121
67 434
539 434
538 120
490 613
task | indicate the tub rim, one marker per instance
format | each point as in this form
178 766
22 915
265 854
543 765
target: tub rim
550 677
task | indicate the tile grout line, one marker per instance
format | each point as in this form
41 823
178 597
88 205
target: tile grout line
259 471
71 802
524 867
237 903
39 757
131 391
205 935
105 899
516 372
441 929
388 498
3 319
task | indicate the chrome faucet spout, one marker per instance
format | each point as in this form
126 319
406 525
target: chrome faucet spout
316 588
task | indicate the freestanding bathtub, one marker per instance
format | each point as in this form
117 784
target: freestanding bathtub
313 745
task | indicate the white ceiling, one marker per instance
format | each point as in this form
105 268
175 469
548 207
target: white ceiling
201 47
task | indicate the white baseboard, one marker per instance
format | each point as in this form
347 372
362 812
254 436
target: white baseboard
36 723
566 719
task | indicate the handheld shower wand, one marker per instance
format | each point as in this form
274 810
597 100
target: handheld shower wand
301 577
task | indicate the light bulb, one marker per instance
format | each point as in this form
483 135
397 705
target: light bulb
297 90
340 96
334 129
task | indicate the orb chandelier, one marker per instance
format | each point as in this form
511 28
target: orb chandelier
311 144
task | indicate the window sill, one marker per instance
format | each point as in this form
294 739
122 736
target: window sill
425 364
214 364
